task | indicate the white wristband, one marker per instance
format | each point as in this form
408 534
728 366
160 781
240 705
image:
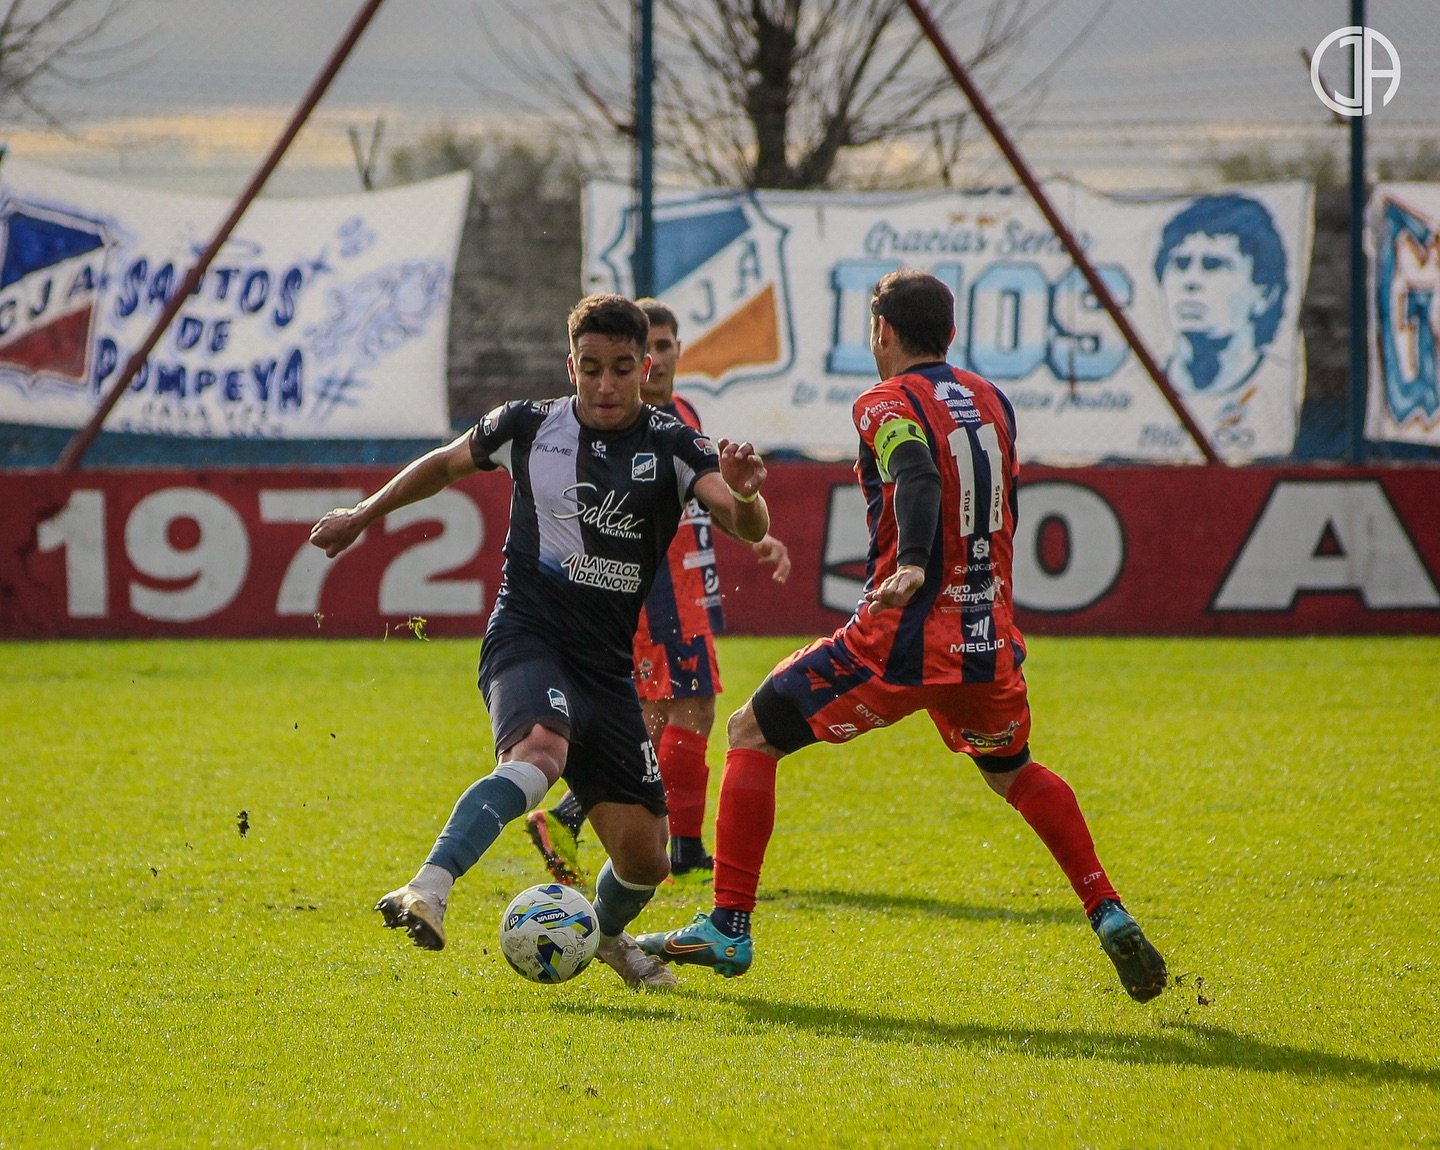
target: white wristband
742 498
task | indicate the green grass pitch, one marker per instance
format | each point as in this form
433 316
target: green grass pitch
923 976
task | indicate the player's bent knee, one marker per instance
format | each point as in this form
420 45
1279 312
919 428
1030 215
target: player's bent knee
543 747
779 727
742 730
1002 764
1000 770
642 868
701 713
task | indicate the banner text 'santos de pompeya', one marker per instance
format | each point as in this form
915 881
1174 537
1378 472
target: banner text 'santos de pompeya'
318 319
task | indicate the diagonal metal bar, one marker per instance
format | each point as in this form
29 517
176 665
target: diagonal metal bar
1062 232
74 453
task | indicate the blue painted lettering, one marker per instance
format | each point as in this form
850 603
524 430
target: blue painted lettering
749 270
161 287
255 292
263 371
222 277
127 299
884 239
38 307
83 283
170 379
1407 333
1020 240
292 383
289 292
851 282
107 355
1086 346
1009 323
188 332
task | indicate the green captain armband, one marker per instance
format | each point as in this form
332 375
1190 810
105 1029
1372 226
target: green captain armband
891 435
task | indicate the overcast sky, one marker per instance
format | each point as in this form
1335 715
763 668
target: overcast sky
1147 62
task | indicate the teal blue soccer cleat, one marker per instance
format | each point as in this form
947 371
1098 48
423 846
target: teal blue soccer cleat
1141 969
702 944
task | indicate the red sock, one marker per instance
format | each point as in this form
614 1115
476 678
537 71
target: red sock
685 774
1047 803
743 827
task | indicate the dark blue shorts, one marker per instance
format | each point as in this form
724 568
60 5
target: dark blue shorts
610 760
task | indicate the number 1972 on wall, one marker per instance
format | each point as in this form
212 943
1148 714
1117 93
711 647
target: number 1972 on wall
187 554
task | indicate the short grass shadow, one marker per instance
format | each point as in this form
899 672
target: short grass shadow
1189 1044
889 903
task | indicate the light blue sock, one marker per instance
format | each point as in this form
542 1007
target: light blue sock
618 902
483 810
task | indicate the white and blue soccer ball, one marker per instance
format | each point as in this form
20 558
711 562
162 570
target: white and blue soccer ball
549 933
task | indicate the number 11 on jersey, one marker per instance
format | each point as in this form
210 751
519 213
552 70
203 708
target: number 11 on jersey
962 448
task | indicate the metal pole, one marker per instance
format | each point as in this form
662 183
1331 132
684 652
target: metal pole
75 450
1359 312
1042 201
643 265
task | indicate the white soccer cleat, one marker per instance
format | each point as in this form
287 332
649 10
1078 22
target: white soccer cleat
421 914
639 970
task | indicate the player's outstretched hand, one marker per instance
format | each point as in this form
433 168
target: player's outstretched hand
771 550
336 530
897 590
742 468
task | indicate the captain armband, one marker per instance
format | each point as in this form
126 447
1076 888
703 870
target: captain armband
891 435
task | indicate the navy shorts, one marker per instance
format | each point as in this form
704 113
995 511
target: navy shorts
610 760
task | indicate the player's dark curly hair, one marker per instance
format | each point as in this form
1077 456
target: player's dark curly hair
919 307
658 314
607 314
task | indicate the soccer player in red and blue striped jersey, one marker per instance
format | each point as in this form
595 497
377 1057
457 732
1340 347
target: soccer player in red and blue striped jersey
934 631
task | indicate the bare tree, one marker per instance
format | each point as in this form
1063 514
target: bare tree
785 93
518 267
46 45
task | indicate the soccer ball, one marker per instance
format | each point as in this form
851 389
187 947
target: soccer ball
549 933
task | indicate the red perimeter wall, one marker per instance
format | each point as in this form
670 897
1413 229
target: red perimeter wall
1101 551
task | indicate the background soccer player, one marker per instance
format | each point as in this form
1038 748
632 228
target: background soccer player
600 485
676 671
935 631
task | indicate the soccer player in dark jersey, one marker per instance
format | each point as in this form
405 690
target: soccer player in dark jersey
600 486
676 671
934 631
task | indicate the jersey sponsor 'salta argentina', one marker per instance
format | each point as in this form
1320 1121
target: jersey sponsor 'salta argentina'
685 600
592 514
960 627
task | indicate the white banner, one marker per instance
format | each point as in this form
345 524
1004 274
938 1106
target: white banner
772 291
1402 238
318 319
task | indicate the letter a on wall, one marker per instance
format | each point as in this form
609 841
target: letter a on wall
1327 536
